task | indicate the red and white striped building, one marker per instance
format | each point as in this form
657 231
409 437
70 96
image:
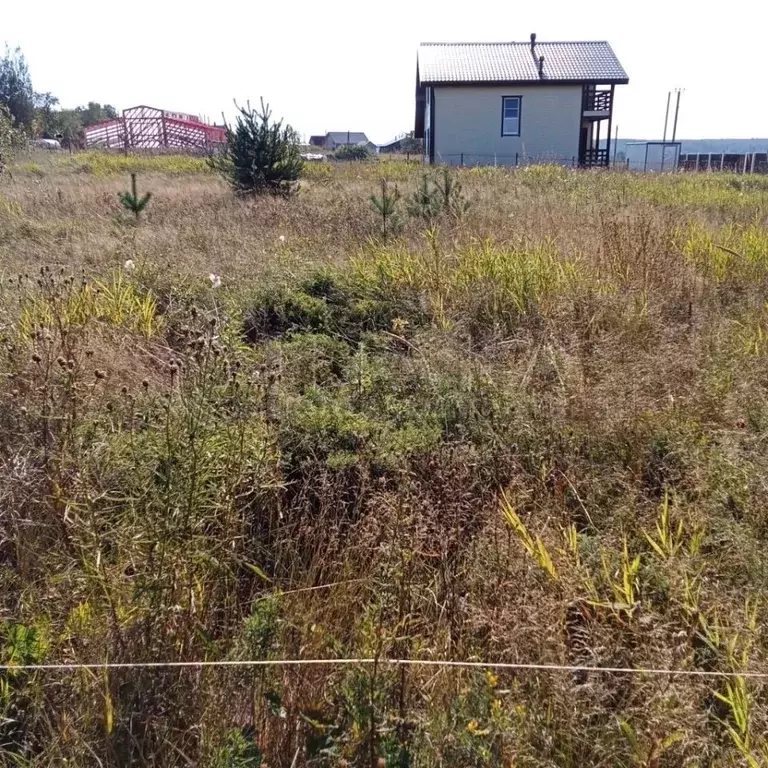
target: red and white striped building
145 127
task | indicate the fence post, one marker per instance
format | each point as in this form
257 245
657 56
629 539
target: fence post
744 169
462 159
752 164
516 158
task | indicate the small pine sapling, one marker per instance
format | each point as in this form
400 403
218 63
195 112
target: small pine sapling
386 207
131 200
452 197
425 203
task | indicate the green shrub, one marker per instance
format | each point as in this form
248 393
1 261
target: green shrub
352 152
328 302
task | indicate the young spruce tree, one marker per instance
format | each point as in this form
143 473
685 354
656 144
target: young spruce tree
261 156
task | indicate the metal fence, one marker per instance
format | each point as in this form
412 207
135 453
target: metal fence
750 162
474 159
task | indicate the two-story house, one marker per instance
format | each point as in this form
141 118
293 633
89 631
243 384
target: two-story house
510 103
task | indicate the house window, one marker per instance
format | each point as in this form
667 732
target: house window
510 115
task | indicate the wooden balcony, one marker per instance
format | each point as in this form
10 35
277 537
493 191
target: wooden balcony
597 103
595 158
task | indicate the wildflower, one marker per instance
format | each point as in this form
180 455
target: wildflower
281 238
215 280
129 266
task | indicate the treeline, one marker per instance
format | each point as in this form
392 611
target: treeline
38 115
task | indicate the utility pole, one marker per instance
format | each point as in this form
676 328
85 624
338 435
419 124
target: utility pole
677 111
664 137
666 116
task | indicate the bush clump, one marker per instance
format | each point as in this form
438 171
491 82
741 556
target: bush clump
352 152
330 303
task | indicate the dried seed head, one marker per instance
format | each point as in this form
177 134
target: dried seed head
14 393
100 374
212 322
89 353
145 384
71 364
124 390
193 311
36 358
23 410
109 406
61 361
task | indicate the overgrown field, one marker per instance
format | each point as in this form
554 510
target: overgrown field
528 426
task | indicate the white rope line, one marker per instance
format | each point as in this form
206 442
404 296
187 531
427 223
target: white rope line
386 661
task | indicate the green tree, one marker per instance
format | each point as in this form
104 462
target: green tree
46 119
95 113
261 155
10 138
16 91
70 127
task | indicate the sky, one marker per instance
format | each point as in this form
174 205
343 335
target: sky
353 66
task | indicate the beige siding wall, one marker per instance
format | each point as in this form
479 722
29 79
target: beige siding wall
468 120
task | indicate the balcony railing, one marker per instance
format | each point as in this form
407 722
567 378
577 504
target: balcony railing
597 101
594 158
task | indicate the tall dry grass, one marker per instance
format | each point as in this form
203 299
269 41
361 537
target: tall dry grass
533 432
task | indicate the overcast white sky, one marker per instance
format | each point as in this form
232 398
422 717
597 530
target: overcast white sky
353 68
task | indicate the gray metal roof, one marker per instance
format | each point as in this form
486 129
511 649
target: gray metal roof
518 62
347 137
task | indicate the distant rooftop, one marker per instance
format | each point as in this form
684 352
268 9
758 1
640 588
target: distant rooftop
519 63
347 137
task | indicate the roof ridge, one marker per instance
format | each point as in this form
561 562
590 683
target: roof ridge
523 42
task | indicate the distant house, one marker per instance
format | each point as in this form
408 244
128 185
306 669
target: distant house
509 103
335 139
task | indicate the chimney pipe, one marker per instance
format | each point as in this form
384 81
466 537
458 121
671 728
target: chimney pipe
541 66
533 40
